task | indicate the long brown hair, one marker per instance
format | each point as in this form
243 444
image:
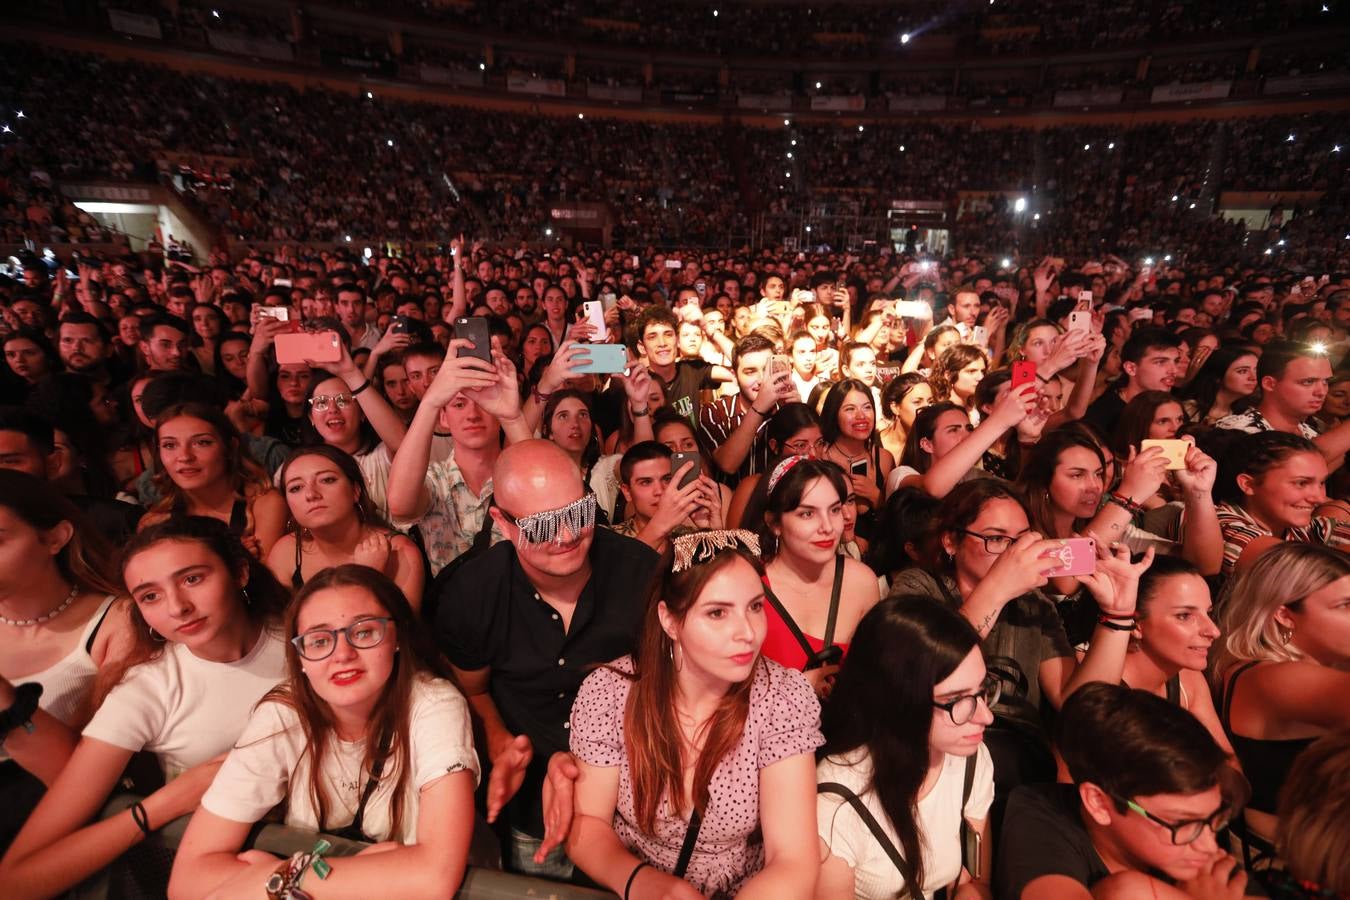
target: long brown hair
263 598
656 752
392 713
246 477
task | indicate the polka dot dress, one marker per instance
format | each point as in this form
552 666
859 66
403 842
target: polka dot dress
784 721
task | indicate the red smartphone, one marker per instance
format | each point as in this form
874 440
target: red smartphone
1076 556
319 347
1023 372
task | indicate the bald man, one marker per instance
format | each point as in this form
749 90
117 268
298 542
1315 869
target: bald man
523 623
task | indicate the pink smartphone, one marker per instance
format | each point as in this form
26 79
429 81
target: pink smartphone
319 347
1076 556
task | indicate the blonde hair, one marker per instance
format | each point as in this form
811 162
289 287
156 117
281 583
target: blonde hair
1313 836
1282 576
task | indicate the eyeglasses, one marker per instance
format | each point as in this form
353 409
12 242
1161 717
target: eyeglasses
804 447
963 709
320 402
994 544
1187 831
319 643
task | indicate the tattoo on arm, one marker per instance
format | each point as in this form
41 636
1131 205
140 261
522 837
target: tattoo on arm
987 622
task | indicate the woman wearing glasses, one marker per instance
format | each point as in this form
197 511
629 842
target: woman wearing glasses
201 470
905 726
367 738
205 620
987 562
794 430
335 522
346 413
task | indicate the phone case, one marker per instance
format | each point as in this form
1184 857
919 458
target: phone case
603 359
320 347
1023 372
1080 320
593 311
677 462
475 329
1076 556
1174 449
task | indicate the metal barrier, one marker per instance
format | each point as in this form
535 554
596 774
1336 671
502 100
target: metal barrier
143 872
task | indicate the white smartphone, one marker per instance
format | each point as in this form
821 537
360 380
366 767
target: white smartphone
980 336
593 311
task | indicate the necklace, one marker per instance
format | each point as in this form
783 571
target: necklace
29 623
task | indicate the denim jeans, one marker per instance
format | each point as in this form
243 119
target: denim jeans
523 846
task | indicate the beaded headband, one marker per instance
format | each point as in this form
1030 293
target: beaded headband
702 546
542 527
782 469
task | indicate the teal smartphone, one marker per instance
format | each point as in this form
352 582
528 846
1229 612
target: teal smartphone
603 359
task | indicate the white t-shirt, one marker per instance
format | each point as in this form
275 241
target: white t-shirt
898 474
939 821
184 709
272 762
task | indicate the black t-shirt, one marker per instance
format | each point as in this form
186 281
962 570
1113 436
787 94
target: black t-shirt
114 519
691 376
489 615
1043 834
1105 412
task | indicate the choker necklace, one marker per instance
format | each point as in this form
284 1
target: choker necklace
28 623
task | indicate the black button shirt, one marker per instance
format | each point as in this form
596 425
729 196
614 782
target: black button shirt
490 616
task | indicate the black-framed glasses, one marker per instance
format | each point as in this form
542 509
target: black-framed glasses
994 544
1187 831
319 643
320 402
963 709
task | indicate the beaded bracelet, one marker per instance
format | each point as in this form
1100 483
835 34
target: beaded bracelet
1124 502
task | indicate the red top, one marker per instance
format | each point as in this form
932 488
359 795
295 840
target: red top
780 645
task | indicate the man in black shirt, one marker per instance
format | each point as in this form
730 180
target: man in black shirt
1151 361
1151 788
525 622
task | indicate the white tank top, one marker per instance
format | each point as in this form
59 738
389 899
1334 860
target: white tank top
66 684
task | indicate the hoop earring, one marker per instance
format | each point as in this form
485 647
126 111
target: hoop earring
676 656
243 592
155 636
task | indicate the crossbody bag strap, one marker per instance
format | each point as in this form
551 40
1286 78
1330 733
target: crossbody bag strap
791 623
687 849
835 593
376 770
852 799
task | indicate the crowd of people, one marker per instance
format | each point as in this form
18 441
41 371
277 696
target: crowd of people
683 574
427 172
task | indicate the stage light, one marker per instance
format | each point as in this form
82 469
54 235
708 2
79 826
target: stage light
904 38
347 238
1020 204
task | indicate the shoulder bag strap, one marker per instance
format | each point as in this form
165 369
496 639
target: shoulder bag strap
834 600
970 857
789 622
907 873
687 849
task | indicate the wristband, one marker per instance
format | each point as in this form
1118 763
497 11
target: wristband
365 384
20 712
1116 623
640 413
142 820
539 396
629 886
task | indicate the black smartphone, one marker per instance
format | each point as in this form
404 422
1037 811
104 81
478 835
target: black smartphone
399 325
475 329
825 656
677 461
858 466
